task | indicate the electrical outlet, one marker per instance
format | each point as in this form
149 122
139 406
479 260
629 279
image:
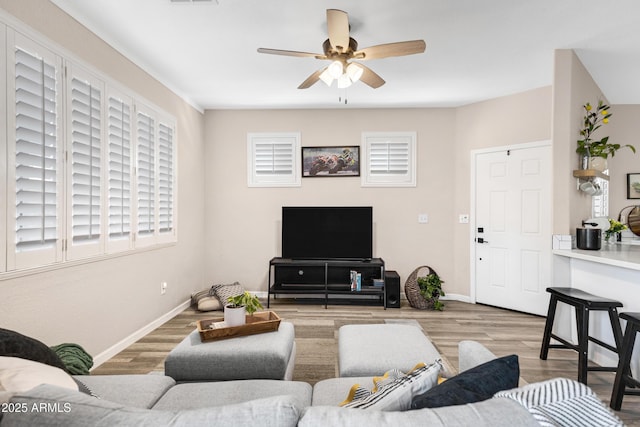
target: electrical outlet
163 288
423 218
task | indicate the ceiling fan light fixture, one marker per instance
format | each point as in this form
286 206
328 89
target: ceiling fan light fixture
344 81
326 77
335 69
354 71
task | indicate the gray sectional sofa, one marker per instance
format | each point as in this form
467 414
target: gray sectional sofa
157 400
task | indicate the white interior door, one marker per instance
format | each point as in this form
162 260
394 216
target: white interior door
512 255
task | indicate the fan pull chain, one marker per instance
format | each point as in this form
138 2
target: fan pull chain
340 97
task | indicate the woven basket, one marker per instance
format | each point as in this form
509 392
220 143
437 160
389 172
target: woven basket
412 289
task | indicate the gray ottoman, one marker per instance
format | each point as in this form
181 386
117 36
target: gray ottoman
370 350
269 355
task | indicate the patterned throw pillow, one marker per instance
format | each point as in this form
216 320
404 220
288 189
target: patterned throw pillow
204 301
563 402
394 390
224 292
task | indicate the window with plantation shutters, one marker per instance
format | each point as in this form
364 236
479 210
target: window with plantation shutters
389 159
165 178
35 154
89 167
145 174
119 171
273 160
85 156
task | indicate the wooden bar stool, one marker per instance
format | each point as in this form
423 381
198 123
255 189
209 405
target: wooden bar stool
623 374
583 302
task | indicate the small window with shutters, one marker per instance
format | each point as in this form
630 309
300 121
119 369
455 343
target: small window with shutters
273 159
389 159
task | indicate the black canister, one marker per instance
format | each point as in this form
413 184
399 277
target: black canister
589 238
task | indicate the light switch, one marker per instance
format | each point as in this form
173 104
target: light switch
464 219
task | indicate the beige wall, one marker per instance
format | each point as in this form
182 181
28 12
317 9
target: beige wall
101 303
623 129
515 119
244 223
573 87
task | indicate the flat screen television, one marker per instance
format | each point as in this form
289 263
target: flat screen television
326 232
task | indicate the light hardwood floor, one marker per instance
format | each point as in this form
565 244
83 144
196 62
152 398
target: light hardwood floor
502 331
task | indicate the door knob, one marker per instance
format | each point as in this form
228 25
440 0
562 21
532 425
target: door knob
481 240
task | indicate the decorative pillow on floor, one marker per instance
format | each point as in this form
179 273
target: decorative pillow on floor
563 402
205 301
224 292
19 375
394 391
476 384
14 344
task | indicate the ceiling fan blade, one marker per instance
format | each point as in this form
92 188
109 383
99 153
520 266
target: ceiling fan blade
391 49
312 79
291 53
369 77
338 28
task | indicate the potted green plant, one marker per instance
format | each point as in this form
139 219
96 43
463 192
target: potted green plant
240 305
594 152
431 289
615 227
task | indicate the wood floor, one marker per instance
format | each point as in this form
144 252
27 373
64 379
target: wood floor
502 331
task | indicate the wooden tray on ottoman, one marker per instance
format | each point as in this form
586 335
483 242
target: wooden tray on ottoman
264 321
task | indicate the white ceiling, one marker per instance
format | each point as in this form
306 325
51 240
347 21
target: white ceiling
205 51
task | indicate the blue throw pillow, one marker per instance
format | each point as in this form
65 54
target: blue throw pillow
476 384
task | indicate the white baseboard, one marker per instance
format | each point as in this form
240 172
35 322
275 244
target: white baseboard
457 297
121 345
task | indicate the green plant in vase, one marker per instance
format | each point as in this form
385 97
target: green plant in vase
591 148
250 302
431 289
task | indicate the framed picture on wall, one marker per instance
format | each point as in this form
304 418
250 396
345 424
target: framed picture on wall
330 161
633 186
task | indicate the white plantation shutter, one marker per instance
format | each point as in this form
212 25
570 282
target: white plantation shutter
273 160
86 160
119 172
389 159
34 138
145 175
87 168
165 178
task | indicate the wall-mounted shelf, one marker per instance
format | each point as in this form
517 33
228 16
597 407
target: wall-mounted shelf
589 173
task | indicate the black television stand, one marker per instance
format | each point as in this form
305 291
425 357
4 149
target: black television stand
327 279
